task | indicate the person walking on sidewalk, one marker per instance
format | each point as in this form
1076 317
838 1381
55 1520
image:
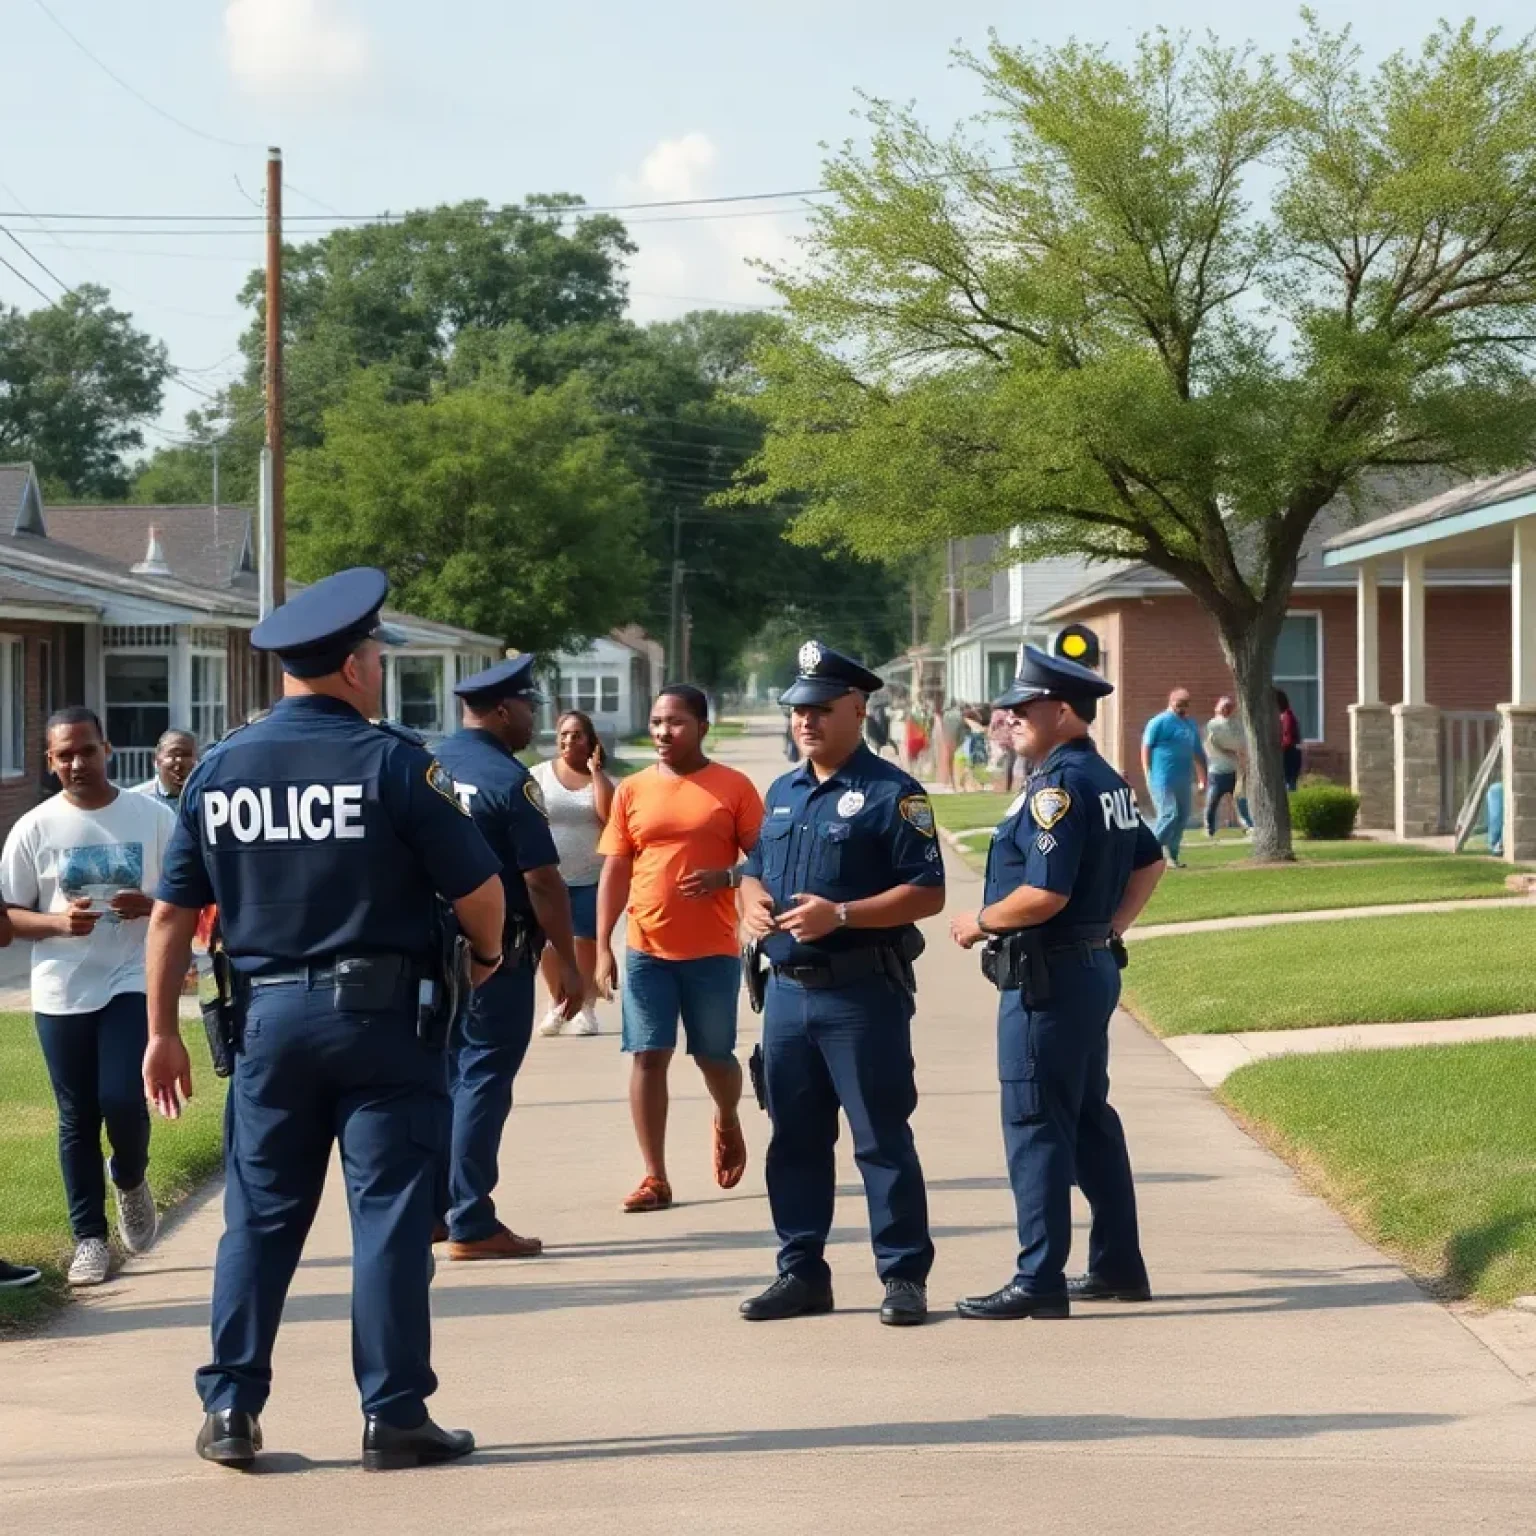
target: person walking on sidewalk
326 842
1067 874
1170 751
76 872
490 1037
671 846
578 795
847 863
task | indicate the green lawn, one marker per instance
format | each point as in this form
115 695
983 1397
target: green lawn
1365 970
1430 1152
34 1227
1187 895
1200 854
958 812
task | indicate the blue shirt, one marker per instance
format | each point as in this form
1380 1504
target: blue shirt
1074 831
865 829
318 834
1173 743
505 803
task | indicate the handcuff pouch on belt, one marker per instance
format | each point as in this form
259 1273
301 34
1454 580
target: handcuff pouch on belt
222 1016
442 992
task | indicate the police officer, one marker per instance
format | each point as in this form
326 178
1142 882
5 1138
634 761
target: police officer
847 862
491 1035
1069 870
324 840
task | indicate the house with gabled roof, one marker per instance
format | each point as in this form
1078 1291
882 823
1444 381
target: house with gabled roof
144 614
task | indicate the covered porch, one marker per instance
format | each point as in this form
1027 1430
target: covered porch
1445 658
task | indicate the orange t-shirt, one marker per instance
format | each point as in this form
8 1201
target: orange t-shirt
670 824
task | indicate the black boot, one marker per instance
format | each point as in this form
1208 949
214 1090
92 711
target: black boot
388 1449
1013 1302
1091 1288
230 1438
788 1296
905 1304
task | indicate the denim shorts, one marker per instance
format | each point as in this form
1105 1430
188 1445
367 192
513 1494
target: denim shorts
702 992
584 910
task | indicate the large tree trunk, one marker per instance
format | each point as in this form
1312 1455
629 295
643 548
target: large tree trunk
1250 652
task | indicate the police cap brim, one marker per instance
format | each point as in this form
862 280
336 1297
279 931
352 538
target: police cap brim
815 690
1022 693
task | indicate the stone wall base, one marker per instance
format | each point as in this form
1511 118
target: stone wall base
1372 756
1416 769
1518 727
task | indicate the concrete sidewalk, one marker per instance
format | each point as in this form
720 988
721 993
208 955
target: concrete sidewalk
1286 1378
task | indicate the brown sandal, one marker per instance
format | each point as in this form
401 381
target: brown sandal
653 1194
730 1155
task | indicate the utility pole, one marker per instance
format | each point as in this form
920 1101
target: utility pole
215 475
675 628
277 554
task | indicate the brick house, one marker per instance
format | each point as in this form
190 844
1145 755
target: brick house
144 614
1155 637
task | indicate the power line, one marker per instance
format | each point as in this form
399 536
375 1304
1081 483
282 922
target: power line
27 280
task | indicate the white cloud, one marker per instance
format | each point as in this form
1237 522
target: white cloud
277 47
695 262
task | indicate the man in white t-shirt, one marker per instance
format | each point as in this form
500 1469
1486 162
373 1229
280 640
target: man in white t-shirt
75 874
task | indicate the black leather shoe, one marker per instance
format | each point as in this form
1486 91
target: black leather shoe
1091 1288
1012 1302
905 1304
788 1296
230 1438
387 1449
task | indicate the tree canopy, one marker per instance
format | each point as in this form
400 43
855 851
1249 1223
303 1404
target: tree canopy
1166 309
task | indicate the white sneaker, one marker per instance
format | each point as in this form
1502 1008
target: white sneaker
551 1023
92 1261
585 1023
137 1219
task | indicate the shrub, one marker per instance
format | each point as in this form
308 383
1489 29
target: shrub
1324 811
1313 781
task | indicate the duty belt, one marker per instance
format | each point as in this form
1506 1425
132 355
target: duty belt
324 973
839 968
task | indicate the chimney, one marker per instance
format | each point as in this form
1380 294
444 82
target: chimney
153 563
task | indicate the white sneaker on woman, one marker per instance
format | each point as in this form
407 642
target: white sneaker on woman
92 1261
551 1023
137 1219
585 1023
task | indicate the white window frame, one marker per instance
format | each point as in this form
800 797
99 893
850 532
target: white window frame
149 645
221 657
13 710
394 703
1316 615
603 684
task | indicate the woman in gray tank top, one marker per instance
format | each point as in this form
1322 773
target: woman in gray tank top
577 797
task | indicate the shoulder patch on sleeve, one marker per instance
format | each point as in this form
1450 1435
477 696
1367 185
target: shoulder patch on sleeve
918 811
441 780
535 796
1049 805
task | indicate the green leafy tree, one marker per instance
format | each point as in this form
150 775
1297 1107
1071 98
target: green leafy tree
77 381
1167 310
511 514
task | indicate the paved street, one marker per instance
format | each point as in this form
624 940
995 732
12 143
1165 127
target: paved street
1286 1378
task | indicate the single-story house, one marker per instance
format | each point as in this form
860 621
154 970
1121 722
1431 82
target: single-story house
144 614
613 679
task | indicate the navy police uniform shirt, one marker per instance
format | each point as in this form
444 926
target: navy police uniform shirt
506 804
1074 831
865 829
317 835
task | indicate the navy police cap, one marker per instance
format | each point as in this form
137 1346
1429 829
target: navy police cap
1053 677
825 674
314 632
509 679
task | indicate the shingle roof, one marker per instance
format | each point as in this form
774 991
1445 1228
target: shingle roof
1470 496
13 481
202 545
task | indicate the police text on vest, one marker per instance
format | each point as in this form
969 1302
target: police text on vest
297 813
1119 809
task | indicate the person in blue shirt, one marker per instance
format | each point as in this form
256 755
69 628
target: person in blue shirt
326 843
490 1037
1069 870
1172 756
847 862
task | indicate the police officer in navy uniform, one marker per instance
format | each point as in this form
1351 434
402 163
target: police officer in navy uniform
1069 870
325 841
491 1035
847 862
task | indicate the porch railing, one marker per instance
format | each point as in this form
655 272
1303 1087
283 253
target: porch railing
132 765
1465 737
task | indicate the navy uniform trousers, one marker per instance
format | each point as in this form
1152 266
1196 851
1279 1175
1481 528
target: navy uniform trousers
489 1042
849 1046
307 1076
1059 1128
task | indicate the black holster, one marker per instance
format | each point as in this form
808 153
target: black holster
753 976
1015 962
522 941
445 988
755 1072
222 1014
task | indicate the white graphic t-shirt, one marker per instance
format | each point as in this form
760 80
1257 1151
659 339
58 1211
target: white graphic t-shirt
58 853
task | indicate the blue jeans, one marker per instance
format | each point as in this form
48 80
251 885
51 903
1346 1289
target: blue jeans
1218 786
1173 798
702 992
94 1063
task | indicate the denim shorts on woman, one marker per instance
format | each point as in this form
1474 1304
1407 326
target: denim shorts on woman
702 992
584 911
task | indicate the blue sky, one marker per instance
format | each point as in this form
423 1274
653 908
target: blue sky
381 104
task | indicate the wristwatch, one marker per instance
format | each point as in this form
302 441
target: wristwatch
842 914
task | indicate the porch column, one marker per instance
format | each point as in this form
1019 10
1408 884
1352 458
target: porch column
1370 721
450 709
1415 722
1518 717
180 680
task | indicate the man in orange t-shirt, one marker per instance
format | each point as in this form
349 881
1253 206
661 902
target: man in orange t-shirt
673 838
